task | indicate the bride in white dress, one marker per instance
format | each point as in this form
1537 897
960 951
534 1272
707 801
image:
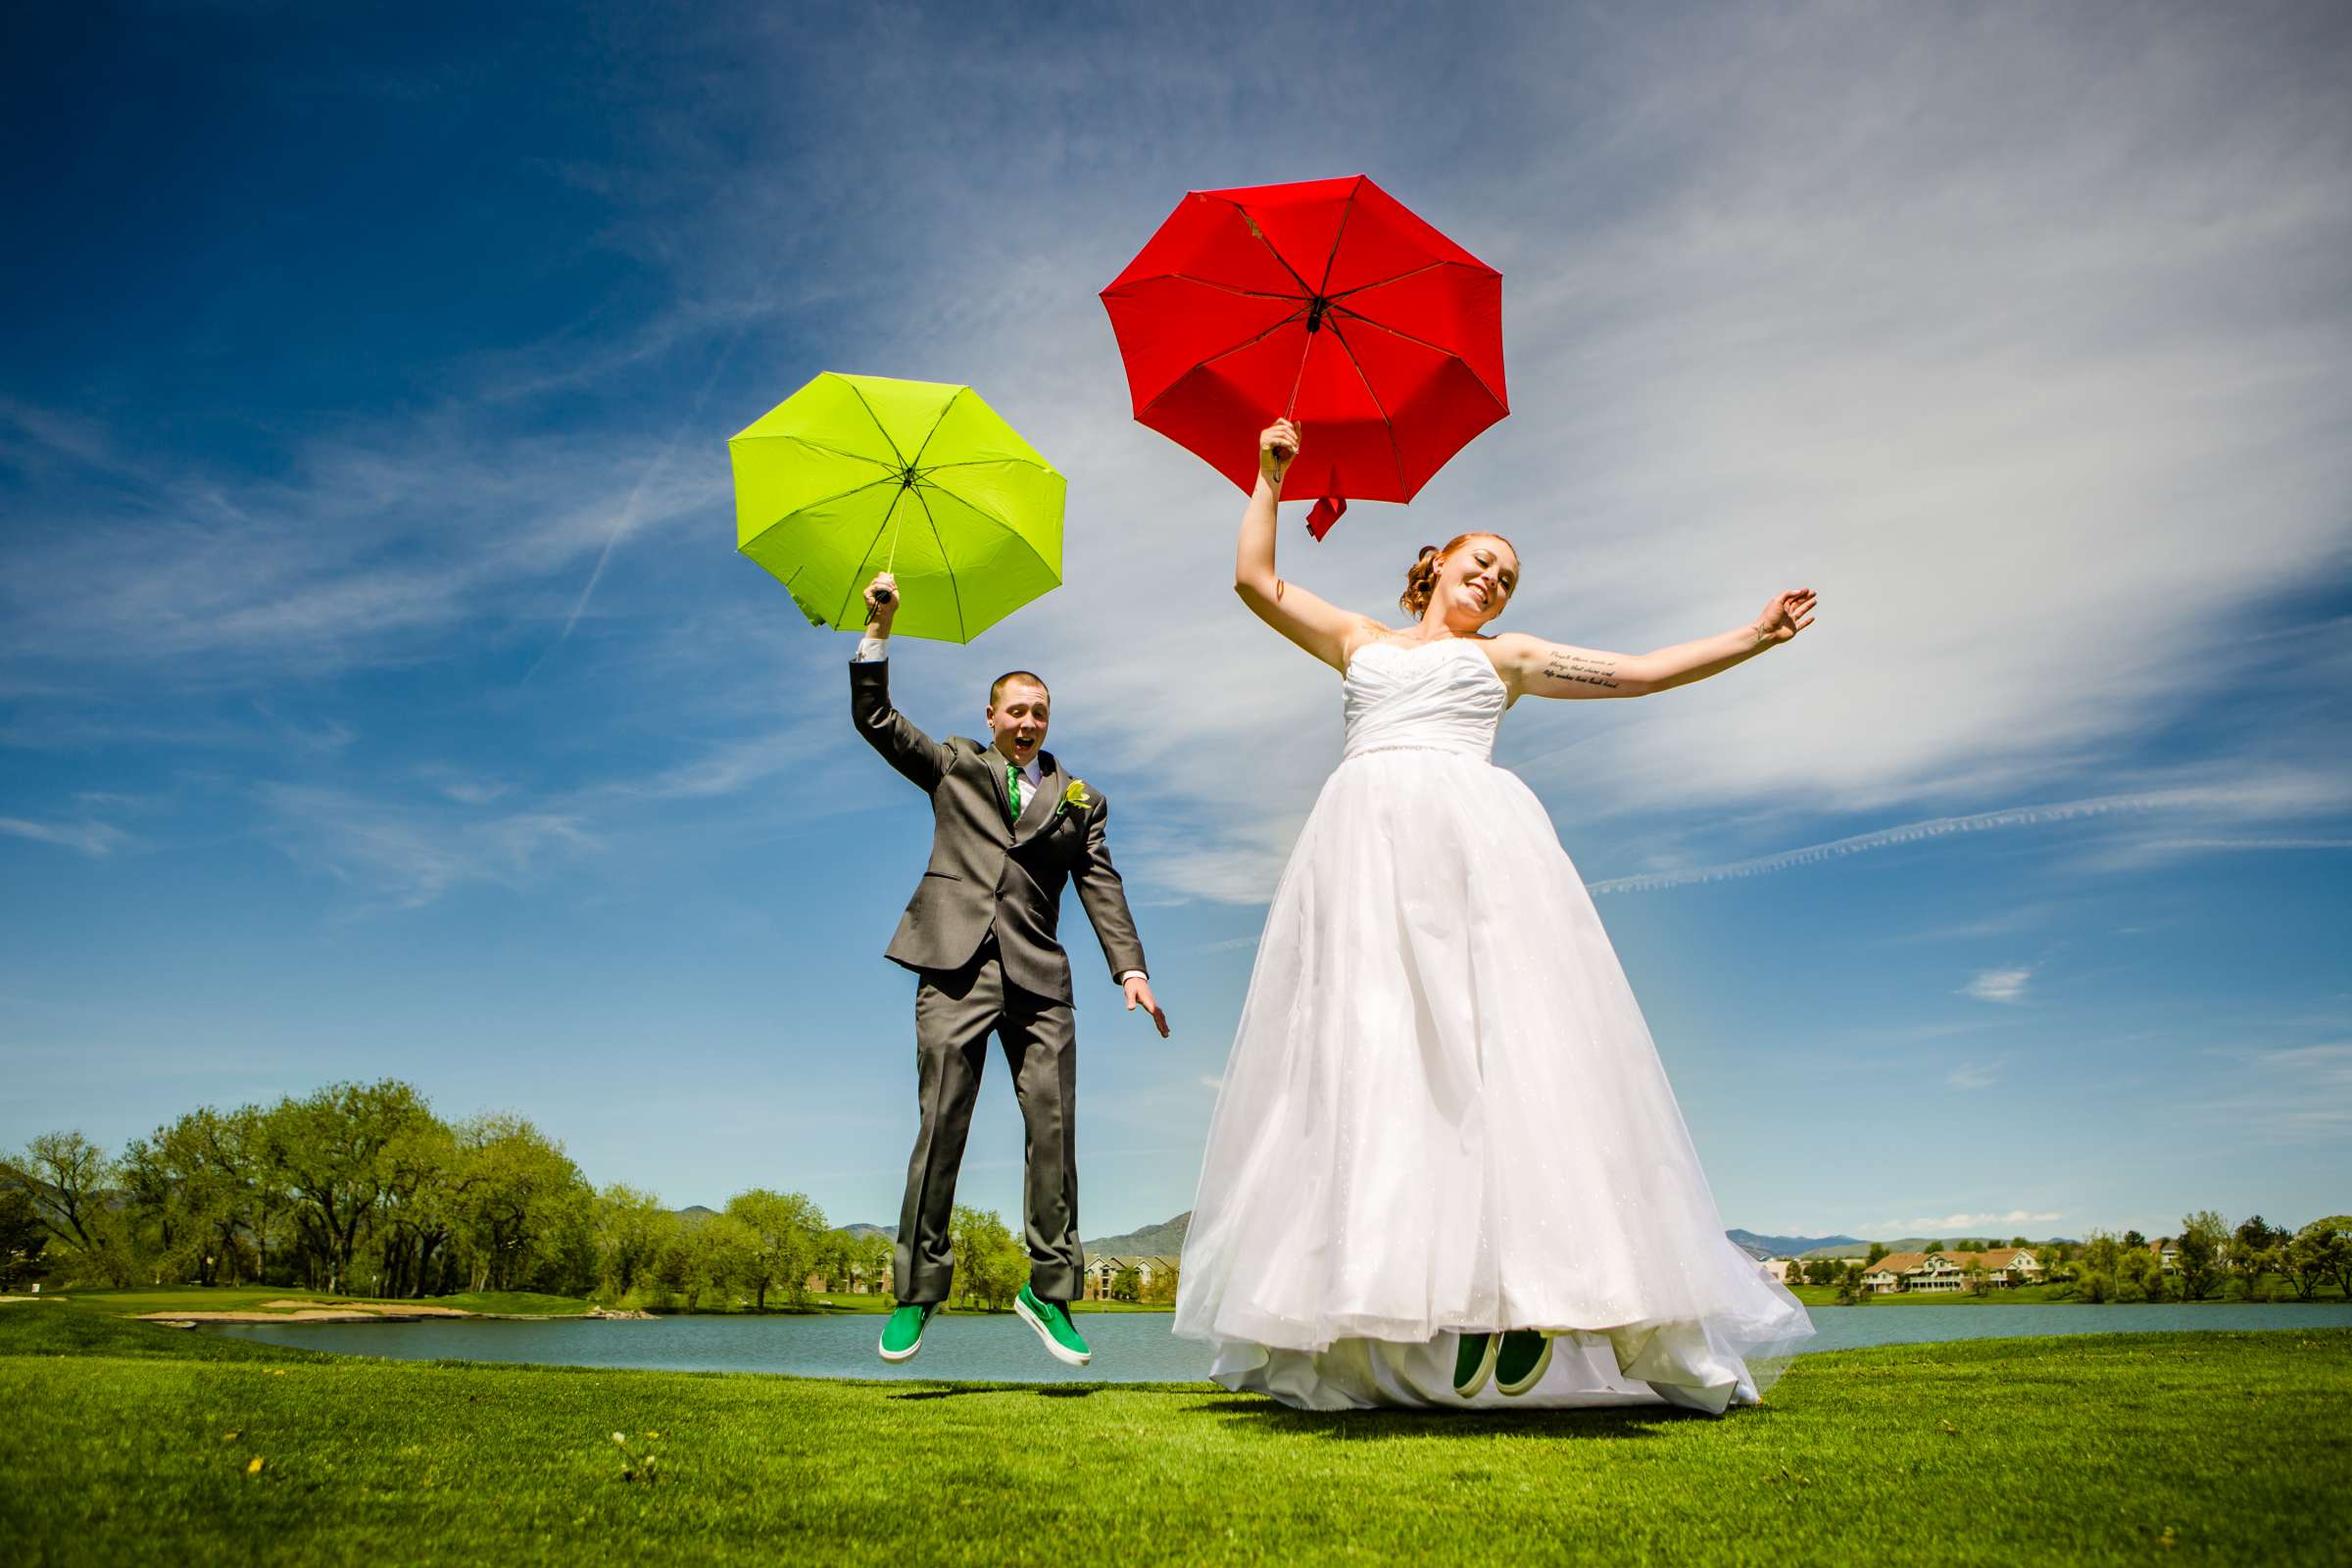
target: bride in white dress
1446 1167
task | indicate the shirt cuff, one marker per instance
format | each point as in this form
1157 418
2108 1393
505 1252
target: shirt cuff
871 650
1126 976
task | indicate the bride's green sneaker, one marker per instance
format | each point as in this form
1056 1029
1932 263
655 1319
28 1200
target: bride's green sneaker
1473 1364
903 1334
1521 1362
1054 1326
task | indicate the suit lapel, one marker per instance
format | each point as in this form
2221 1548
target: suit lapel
1040 809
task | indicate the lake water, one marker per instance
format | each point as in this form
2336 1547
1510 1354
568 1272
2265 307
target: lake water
1129 1346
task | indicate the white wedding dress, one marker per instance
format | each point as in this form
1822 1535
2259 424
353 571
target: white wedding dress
1444 1112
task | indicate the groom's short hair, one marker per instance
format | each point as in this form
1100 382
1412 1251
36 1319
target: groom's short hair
997 687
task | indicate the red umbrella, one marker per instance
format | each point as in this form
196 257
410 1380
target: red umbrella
1328 302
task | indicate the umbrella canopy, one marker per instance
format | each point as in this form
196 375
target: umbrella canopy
857 474
1326 301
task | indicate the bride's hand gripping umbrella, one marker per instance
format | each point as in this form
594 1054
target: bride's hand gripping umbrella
854 476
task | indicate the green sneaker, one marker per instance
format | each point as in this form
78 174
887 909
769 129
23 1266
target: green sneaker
1052 1320
1521 1362
1473 1364
903 1334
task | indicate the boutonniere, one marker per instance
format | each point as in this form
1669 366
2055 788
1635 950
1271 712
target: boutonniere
1076 795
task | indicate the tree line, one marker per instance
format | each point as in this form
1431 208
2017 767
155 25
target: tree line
2211 1259
362 1190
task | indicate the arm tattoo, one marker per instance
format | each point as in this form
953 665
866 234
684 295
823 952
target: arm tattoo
1581 669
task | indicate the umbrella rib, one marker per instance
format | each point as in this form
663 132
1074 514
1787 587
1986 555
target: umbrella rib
1345 212
994 522
1228 288
877 418
1245 343
918 458
1396 458
946 566
1250 224
821 500
1383 283
1434 348
832 451
887 513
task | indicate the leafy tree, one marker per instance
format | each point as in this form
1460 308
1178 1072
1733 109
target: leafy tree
2134 1239
2137 1275
2323 1250
1877 1249
1933 1247
2203 1234
632 1231
1126 1284
23 1239
520 1206
990 1264
326 1150
2018 1240
783 1228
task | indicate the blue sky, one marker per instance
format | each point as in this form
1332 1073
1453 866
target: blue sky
381 692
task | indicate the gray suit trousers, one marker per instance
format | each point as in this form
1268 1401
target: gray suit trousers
955 1012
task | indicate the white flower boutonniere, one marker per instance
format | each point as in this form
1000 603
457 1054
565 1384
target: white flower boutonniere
1076 795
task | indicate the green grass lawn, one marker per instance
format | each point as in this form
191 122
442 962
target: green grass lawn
137 1444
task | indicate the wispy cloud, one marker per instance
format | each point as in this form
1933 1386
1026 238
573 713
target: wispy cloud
1931 1224
2293 792
2000 985
90 837
1975 1074
407 855
2297 1092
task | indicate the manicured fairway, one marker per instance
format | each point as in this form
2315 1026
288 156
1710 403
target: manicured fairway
137 1444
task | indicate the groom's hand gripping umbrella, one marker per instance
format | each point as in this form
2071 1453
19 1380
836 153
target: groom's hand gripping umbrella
857 475
1326 302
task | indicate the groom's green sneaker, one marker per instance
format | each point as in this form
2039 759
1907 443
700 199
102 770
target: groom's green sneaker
1522 1360
903 1334
1052 1320
1473 1364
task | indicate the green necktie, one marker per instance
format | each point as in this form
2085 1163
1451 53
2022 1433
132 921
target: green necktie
1013 792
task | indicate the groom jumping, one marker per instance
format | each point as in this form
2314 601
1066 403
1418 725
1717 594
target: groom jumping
1008 827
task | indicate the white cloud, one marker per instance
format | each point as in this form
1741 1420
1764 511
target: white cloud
90 837
2000 985
1975 1074
1933 1224
407 855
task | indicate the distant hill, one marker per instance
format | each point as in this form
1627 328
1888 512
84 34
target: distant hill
1163 1239
861 1229
1797 1246
1847 1247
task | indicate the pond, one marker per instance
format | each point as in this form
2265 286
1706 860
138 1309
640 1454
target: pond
1129 1346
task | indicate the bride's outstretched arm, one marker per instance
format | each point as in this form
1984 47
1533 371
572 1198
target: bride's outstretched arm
1535 667
1322 629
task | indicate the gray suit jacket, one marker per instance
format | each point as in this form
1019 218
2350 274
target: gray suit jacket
987 873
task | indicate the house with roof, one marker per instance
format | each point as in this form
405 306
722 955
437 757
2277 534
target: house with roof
1949 1272
1103 1270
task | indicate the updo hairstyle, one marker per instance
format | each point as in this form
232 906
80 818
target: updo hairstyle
1421 577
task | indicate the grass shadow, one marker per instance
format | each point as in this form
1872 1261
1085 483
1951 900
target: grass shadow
1042 1391
1602 1424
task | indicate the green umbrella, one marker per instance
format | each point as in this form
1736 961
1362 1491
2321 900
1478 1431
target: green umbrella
855 474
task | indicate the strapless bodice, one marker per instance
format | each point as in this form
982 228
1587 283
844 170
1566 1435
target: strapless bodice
1439 695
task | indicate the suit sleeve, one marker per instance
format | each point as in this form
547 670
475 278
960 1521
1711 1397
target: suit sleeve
889 732
1105 896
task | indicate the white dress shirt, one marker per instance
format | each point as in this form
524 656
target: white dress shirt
873 650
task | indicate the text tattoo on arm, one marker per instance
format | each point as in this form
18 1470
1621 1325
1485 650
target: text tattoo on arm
1583 668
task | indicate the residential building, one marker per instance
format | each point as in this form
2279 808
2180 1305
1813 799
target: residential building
1949 1272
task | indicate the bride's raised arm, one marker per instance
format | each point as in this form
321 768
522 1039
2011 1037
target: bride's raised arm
1531 666
1321 628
